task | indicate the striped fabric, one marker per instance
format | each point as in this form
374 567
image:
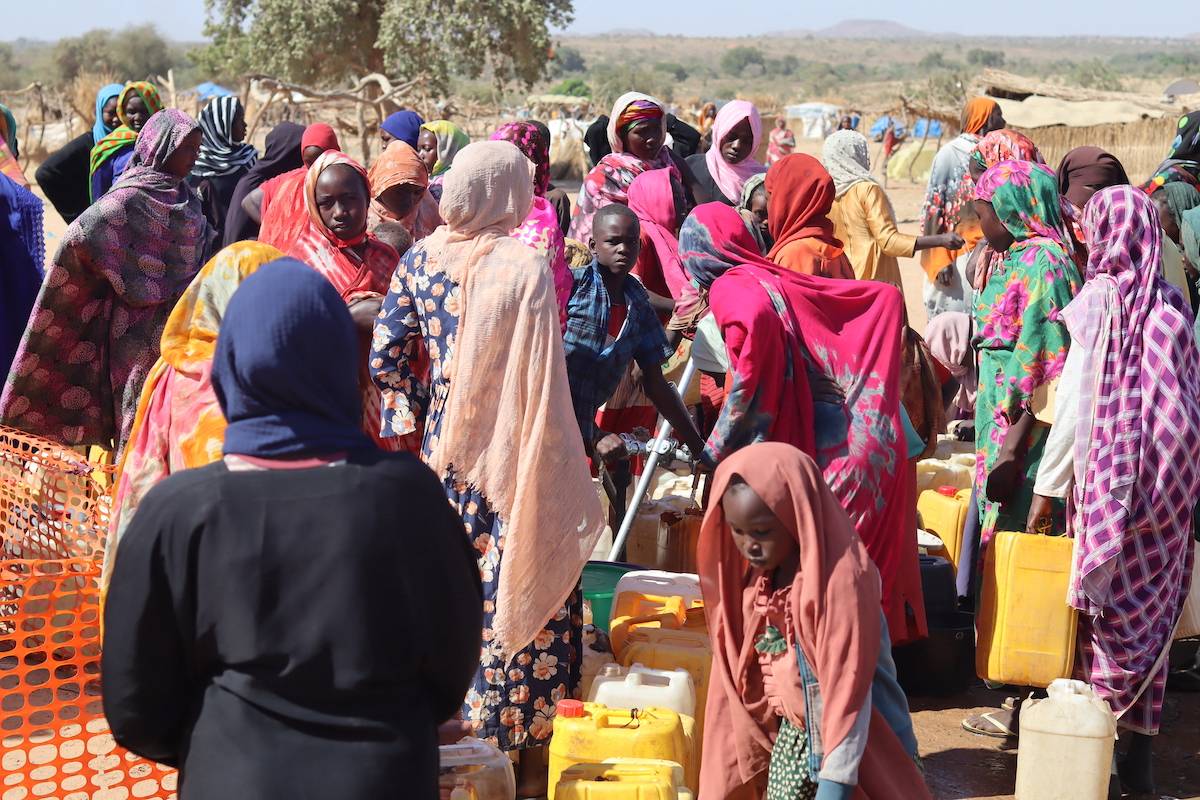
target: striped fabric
1137 466
220 154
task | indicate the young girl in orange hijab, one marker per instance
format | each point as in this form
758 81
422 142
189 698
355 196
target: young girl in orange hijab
804 698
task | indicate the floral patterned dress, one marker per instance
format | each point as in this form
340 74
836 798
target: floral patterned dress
511 704
1022 338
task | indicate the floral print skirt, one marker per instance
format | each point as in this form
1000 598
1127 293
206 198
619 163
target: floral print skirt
512 705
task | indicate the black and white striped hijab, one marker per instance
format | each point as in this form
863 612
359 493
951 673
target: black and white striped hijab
219 154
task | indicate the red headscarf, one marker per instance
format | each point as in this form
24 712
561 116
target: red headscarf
834 610
334 258
284 214
802 195
319 135
652 198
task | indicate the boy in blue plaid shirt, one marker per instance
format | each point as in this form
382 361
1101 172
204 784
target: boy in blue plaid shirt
611 323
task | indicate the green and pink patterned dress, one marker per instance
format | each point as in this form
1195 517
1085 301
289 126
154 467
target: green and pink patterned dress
1020 334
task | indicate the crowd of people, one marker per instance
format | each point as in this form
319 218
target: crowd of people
356 413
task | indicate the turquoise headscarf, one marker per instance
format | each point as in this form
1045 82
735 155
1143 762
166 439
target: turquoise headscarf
109 92
1189 232
8 127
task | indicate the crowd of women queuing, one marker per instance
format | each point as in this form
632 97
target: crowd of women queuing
315 376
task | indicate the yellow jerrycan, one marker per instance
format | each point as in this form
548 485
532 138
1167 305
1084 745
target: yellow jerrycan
590 733
944 512
624 779
1026 630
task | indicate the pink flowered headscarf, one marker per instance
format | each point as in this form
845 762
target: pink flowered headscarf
1026 199
529 140
730 178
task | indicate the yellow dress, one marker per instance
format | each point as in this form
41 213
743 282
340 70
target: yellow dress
863 219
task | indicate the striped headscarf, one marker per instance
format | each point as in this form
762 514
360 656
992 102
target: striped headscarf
219 153
635 112
450 139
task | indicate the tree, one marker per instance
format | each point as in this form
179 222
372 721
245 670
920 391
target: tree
735 60
568 59
134 53
985 58
933 60
575 87
327 41
8 67
676 71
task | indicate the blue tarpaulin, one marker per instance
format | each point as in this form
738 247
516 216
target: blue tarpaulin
918 131
209 90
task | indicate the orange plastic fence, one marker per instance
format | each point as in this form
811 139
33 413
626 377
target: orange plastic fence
54 741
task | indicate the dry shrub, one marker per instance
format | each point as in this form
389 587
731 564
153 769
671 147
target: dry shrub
81 93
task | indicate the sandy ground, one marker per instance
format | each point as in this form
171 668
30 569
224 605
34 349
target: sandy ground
960 766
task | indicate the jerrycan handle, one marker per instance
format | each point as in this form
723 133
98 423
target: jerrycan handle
1062 688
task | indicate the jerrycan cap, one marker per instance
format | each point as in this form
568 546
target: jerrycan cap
570 709
947 491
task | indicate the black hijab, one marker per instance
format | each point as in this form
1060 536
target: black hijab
596 139
282 155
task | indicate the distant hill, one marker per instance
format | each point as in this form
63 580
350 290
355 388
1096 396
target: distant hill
870 29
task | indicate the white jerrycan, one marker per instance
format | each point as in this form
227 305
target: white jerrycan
1066 745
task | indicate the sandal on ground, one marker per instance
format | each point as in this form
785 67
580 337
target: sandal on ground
993 724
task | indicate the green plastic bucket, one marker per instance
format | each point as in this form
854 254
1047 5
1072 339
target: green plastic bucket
599 584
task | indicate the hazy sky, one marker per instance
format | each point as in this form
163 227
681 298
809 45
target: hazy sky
51 19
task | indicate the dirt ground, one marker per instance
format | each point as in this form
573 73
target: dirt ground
958 765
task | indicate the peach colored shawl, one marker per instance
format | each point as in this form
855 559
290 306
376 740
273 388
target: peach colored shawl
509 428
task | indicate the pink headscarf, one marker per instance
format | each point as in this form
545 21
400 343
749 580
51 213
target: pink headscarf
652 198
949 338
732 177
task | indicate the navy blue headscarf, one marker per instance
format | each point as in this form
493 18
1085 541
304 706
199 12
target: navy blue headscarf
286 366
405 126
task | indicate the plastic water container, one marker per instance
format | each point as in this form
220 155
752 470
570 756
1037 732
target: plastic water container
944 512
965 459
687 649
590 733
668 482
949 446
599 581
664 534
624 779
638 686
597 653
660 583
1026 630
476 770
1066 746
935 472
633 612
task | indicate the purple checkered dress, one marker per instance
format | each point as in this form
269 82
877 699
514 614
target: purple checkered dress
1137 457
